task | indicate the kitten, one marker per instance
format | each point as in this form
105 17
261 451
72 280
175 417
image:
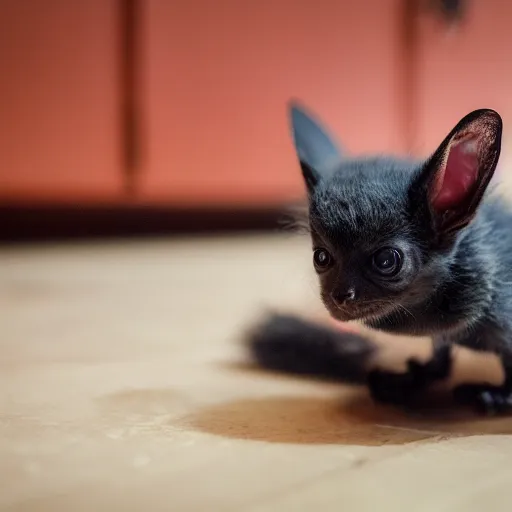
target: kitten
419 248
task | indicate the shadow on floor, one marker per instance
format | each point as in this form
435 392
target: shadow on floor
353 420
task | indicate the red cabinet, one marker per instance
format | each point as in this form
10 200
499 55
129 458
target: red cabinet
59 100
216 77
212 80
208 81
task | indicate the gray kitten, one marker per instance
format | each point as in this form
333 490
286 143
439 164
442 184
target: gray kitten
419 248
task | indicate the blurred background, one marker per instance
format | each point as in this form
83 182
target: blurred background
157 116
146 165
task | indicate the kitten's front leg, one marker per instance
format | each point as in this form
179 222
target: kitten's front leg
483 379
491 395
478 378
404 388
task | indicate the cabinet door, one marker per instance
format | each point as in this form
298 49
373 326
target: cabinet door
59 100
463 67
217 77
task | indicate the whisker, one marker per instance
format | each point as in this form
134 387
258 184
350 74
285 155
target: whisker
399 307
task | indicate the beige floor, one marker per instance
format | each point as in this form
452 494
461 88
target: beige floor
122 386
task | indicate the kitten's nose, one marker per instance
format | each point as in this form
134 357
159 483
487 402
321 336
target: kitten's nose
343 296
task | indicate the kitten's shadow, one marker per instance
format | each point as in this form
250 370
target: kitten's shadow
349 418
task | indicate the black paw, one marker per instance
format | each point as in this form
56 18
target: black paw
392 388
487 400
404 388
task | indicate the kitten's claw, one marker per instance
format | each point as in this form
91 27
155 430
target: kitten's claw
487 400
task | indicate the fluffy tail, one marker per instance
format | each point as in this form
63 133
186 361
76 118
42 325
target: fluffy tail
289 344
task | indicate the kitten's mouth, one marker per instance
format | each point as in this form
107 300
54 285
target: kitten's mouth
363 312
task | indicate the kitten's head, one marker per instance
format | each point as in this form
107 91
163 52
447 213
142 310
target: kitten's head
383 230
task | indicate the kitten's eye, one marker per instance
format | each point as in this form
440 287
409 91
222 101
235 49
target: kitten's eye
387 261
322 258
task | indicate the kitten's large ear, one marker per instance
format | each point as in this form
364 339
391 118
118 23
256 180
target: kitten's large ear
318 153
456 176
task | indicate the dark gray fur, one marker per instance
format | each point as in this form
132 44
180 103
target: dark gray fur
365 205
456 282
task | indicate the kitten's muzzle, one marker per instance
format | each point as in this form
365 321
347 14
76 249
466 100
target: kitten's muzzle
345 306
342 297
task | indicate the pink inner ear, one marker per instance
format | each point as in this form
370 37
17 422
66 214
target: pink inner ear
459 176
